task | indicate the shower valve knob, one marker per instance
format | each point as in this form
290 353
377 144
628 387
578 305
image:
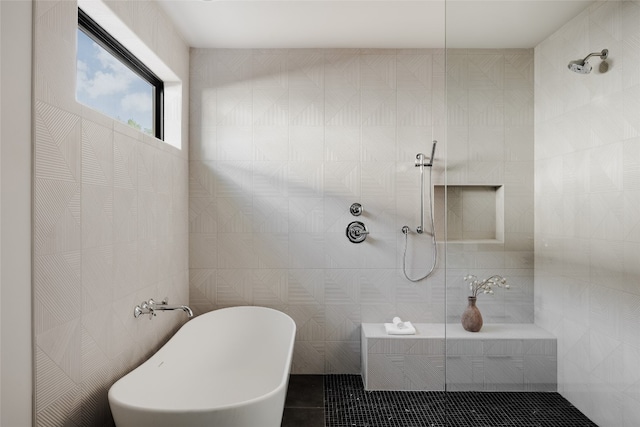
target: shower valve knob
357 232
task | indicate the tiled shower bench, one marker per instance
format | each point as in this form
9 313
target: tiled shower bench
501 357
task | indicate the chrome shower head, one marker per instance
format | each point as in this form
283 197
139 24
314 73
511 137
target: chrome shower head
421 158
579 66
582 66
433 153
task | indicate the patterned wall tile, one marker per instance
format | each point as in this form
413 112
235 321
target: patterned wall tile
378 143
97 154
125 215
308 357
203 251
271 250
342 322
342 179
306 67
233 179
54 383
271 143
57 216
58 143
146 168
380 312
65 410
125 269
270 179
97 216
342 144
269 287
306 250
342 357
310 321
306 105
377 286
306 215
306 286
55 68
391 372
306 143
306 179
378 106
233 287
424 372
203 215
202 179
97 275
57 289
342 105
202 290
271 215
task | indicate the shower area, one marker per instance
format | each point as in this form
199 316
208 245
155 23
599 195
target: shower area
352 184
534 178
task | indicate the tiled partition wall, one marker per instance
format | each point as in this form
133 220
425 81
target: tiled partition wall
110 224
284 141
587 274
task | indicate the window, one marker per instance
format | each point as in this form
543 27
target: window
113 81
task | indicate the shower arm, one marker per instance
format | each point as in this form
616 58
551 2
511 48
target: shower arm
603 55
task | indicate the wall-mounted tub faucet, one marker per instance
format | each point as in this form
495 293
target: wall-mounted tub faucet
150 307
163 305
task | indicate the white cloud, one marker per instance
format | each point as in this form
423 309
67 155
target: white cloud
114 78
138 102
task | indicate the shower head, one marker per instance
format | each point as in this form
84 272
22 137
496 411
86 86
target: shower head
433 153
579 66
582 66
420 157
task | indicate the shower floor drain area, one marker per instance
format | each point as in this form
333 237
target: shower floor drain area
347 404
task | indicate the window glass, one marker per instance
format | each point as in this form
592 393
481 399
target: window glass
107 85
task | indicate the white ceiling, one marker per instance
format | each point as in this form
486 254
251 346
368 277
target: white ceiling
369 23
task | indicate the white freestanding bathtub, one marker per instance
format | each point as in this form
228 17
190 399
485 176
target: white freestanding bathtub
227 368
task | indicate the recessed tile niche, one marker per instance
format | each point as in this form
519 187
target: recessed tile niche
475 213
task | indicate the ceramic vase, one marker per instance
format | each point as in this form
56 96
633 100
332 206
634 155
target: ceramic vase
471 317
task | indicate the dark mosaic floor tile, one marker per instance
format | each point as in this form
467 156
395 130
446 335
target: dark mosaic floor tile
303 417
305 391
348 404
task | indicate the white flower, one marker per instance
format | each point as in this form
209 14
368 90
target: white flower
486 285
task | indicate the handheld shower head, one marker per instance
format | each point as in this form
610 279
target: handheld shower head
433 153
582 66
421 158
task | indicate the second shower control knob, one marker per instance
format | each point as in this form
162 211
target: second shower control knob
356 209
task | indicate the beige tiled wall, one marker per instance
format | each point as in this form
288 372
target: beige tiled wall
284 141
110 224
587 150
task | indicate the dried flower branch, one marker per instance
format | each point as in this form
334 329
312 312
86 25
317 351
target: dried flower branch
485 285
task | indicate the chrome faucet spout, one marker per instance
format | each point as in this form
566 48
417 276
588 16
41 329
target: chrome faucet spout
175 307
163 306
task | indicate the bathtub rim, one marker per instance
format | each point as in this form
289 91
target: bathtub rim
281 385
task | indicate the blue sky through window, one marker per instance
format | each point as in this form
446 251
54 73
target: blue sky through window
107 85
